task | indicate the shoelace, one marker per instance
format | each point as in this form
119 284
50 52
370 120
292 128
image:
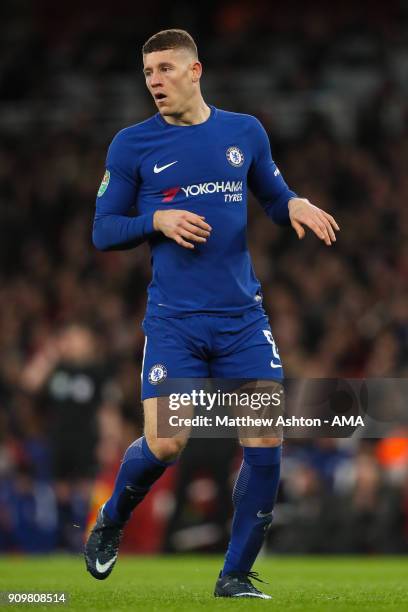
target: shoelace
114 544
114 540
255 576
249 575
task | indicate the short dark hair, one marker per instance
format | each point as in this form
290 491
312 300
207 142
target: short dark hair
170 39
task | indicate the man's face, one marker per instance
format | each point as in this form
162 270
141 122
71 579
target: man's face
171 77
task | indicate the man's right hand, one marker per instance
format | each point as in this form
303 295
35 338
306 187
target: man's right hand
181 226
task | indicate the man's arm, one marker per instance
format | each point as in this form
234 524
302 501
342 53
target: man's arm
281 204
113 228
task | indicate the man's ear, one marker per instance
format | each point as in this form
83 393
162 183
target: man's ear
196 70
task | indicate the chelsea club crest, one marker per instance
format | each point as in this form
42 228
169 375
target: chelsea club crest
235 156
157 374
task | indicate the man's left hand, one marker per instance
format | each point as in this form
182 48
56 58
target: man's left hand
302 212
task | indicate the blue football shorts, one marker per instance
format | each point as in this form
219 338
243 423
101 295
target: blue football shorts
208 346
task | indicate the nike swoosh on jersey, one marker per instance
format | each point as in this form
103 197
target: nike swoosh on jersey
103 567
158 169
276 365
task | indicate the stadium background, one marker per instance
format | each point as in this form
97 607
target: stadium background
330 85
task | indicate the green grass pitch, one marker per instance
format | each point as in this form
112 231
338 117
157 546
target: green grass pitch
161 584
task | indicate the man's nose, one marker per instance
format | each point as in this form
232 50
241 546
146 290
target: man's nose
155 79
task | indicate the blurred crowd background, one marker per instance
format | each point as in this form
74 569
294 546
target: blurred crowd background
330 84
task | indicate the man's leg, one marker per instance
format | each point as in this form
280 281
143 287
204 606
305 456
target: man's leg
143 463
246 350
254 497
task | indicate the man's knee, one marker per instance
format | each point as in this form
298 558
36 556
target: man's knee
260 442
166 449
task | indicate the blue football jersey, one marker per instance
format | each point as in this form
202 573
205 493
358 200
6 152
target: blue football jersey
206 169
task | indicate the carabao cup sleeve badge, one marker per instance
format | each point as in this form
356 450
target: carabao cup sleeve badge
104 185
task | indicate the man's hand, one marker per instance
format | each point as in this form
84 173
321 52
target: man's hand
181 226
302 212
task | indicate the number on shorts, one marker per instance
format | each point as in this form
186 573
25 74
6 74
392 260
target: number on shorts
268 335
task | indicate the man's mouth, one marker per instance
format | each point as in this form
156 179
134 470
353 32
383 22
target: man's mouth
159 96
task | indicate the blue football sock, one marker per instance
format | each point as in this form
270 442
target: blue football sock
138 471
254 496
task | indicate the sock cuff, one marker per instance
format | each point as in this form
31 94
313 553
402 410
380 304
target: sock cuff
151 457
265 455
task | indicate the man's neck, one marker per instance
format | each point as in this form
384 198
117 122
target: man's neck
199 113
